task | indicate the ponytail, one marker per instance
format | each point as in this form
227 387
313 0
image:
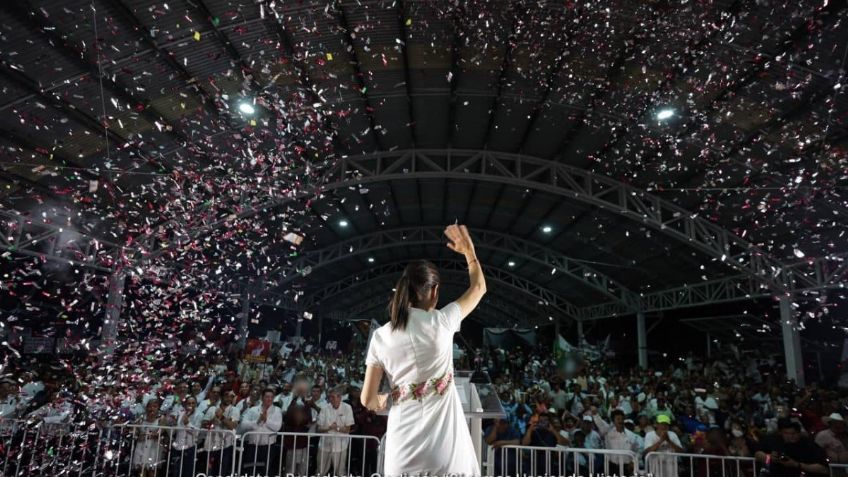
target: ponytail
412 290
399 306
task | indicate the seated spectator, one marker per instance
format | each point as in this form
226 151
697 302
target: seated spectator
297 420
834 439
502 434
540 433
788 454
260 423
617 437
663 440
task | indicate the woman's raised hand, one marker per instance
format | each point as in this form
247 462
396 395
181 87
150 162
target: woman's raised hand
460 240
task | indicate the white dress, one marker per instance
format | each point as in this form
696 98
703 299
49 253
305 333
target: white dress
426 431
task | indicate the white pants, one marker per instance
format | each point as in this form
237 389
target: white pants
337 459
297 461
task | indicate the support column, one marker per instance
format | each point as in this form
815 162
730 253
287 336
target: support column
709 345
642 340
114 303
244 322
791 342
320 328
298 329
580 337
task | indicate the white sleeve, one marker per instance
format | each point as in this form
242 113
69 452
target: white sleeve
248 421
451 316
372 358
274 421
650 439
675 439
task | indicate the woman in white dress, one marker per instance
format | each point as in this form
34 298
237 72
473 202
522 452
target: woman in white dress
427 431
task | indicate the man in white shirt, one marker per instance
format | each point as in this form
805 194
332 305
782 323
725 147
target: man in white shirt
617 437
188 422
334 418
218 447
260 423
284 399
663 440
705 402
212 401
31 386
592 439
8 400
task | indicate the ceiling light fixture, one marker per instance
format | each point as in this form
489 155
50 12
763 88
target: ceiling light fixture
246 108
665 114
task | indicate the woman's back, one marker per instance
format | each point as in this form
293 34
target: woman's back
419 353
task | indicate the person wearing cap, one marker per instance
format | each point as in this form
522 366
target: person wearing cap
592 439
834 439
663 440
789 454
617 437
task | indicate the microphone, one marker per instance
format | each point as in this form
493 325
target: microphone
478 376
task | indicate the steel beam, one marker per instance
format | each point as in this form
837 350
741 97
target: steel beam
484 239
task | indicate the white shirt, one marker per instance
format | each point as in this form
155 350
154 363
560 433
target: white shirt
284 401
261 434
614 440
220 437
664 465
55 412
186 435
29 390
341 417
8 407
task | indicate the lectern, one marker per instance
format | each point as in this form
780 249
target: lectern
480 401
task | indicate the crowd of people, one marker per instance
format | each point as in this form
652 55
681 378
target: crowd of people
724 407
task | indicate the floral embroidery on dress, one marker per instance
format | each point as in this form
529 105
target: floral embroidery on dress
419 391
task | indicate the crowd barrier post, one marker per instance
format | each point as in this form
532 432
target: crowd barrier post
516 460
308 453
703 465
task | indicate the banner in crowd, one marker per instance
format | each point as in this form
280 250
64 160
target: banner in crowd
509 338
568 358
257 350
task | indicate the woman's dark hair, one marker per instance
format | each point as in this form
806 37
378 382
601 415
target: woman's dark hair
412 289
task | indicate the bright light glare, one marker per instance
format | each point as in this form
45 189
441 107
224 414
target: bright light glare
343 223
665 114
247 108
547 229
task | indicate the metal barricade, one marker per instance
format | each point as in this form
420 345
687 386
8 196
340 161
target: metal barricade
515 460
172 451
666 464
304 454
41 448
838 470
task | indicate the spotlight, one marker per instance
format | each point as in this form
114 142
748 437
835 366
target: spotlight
511 263
547 229
370 259
665 114
342 223
246 108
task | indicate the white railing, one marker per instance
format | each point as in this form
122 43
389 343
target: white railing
665 464
838 470
303 454
528 460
